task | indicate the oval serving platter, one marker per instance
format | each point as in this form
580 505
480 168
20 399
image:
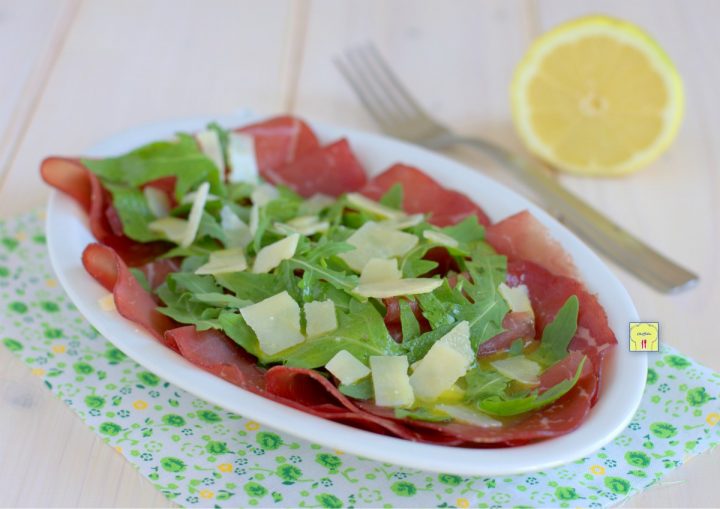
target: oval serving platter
623 377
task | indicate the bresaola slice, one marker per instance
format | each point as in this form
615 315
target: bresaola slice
71 177
423 194
523 237
331 170
213 351
131 300
280 141
311 392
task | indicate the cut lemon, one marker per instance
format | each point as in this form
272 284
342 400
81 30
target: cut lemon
597 96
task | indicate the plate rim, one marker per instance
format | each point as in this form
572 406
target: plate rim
428 457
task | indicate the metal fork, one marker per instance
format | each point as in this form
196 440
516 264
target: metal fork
399 115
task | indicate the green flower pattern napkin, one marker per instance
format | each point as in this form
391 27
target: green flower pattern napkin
200 455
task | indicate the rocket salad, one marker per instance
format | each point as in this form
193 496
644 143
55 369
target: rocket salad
393 304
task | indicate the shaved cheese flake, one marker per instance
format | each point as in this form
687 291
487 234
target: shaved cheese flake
224 261
518 368
441 367
107 303
440 238
517 298
463 414
241 156
459 339
195 215
378 270
360 202
173 228
271 255
237 233
347 368
275 321
316 203
190 197
403 222
320 318
304 225
387 289
264 194
210 145
390 380
373 240
158 202
254 219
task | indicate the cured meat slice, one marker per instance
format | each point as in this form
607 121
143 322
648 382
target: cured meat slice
213 351
157 271
523 237
279 141
548 292
311 392
332 170
423 194
131 299
517 326
71 177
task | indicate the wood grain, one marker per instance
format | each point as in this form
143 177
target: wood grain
90 69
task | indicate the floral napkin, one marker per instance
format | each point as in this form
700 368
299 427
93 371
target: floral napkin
200 455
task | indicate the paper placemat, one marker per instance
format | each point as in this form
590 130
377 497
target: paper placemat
200 455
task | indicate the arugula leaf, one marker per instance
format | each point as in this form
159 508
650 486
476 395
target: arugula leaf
236 329
251 286
281 209
410 325
182 307
482 383
319 270
416 348
181 158
478 302
209 227
412 263
134 212
516 348
312 289
557 334
193 283
443 305
496 405
362 389
422 414
466 231
393 197
361 332
221 300
488 307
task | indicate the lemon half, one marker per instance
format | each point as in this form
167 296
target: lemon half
597 96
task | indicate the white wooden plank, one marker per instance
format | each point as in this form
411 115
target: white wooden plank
128 63
30 34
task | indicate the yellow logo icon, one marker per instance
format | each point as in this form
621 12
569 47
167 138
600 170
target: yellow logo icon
644 336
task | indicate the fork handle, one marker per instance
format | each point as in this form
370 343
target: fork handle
616 243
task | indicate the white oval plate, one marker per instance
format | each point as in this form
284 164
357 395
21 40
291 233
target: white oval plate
623 379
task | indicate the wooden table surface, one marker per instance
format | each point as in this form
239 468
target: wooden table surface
73 72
